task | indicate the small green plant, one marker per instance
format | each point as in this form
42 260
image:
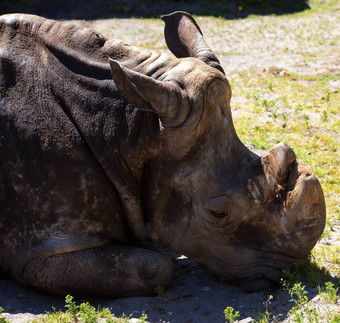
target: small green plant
2 319
143 318
330 292
256 96
323 116
327 96
160 291
292 276
298 108
84 313
265 317
268 104
87 313
302 312
72 307
163 293
298 294
229 314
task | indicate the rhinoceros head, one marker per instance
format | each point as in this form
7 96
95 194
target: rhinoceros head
241 216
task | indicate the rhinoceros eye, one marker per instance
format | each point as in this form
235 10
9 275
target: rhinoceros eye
218 214
218 206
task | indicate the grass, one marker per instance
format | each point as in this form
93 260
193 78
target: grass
2 319
83 313
303 309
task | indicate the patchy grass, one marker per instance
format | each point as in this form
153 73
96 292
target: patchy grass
83 313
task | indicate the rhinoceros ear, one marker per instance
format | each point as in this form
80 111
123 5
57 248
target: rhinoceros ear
167 99
185 39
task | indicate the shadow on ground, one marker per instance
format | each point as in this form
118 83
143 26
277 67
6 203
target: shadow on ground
193 297
96 9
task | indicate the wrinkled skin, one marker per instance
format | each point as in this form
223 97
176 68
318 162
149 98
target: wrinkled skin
87 163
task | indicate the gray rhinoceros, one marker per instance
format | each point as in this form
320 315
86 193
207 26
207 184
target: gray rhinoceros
87 163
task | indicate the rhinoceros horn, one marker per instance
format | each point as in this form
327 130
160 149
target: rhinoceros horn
277 165
167 99
185 39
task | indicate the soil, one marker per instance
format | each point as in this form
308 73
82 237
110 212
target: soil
302 45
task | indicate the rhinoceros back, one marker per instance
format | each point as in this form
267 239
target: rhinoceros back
59 110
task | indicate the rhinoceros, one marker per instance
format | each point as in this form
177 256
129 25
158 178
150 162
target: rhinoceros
105 146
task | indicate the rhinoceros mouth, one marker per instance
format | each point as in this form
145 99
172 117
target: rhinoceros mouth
263 272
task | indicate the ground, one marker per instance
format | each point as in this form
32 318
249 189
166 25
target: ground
285 75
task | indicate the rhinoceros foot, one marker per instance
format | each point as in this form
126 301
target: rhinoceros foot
110 271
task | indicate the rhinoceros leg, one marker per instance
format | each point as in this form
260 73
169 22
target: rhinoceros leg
110 270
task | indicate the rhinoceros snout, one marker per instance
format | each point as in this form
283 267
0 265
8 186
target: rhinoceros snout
304 211
285 185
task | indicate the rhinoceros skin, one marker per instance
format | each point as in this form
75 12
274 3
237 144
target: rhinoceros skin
100 140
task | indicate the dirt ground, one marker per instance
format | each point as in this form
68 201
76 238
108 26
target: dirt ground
302 45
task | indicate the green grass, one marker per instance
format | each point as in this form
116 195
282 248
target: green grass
83 313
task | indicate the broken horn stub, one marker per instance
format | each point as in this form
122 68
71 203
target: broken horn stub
277 164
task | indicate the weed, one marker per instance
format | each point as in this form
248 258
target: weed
292 276
87 313
328 95
164 293
143 318
265 317
256 96
324 116
257 110
160 291
268 104
302 311
330 293
84 313
298 108
300 293
312 278
229 314
2 319
73 308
